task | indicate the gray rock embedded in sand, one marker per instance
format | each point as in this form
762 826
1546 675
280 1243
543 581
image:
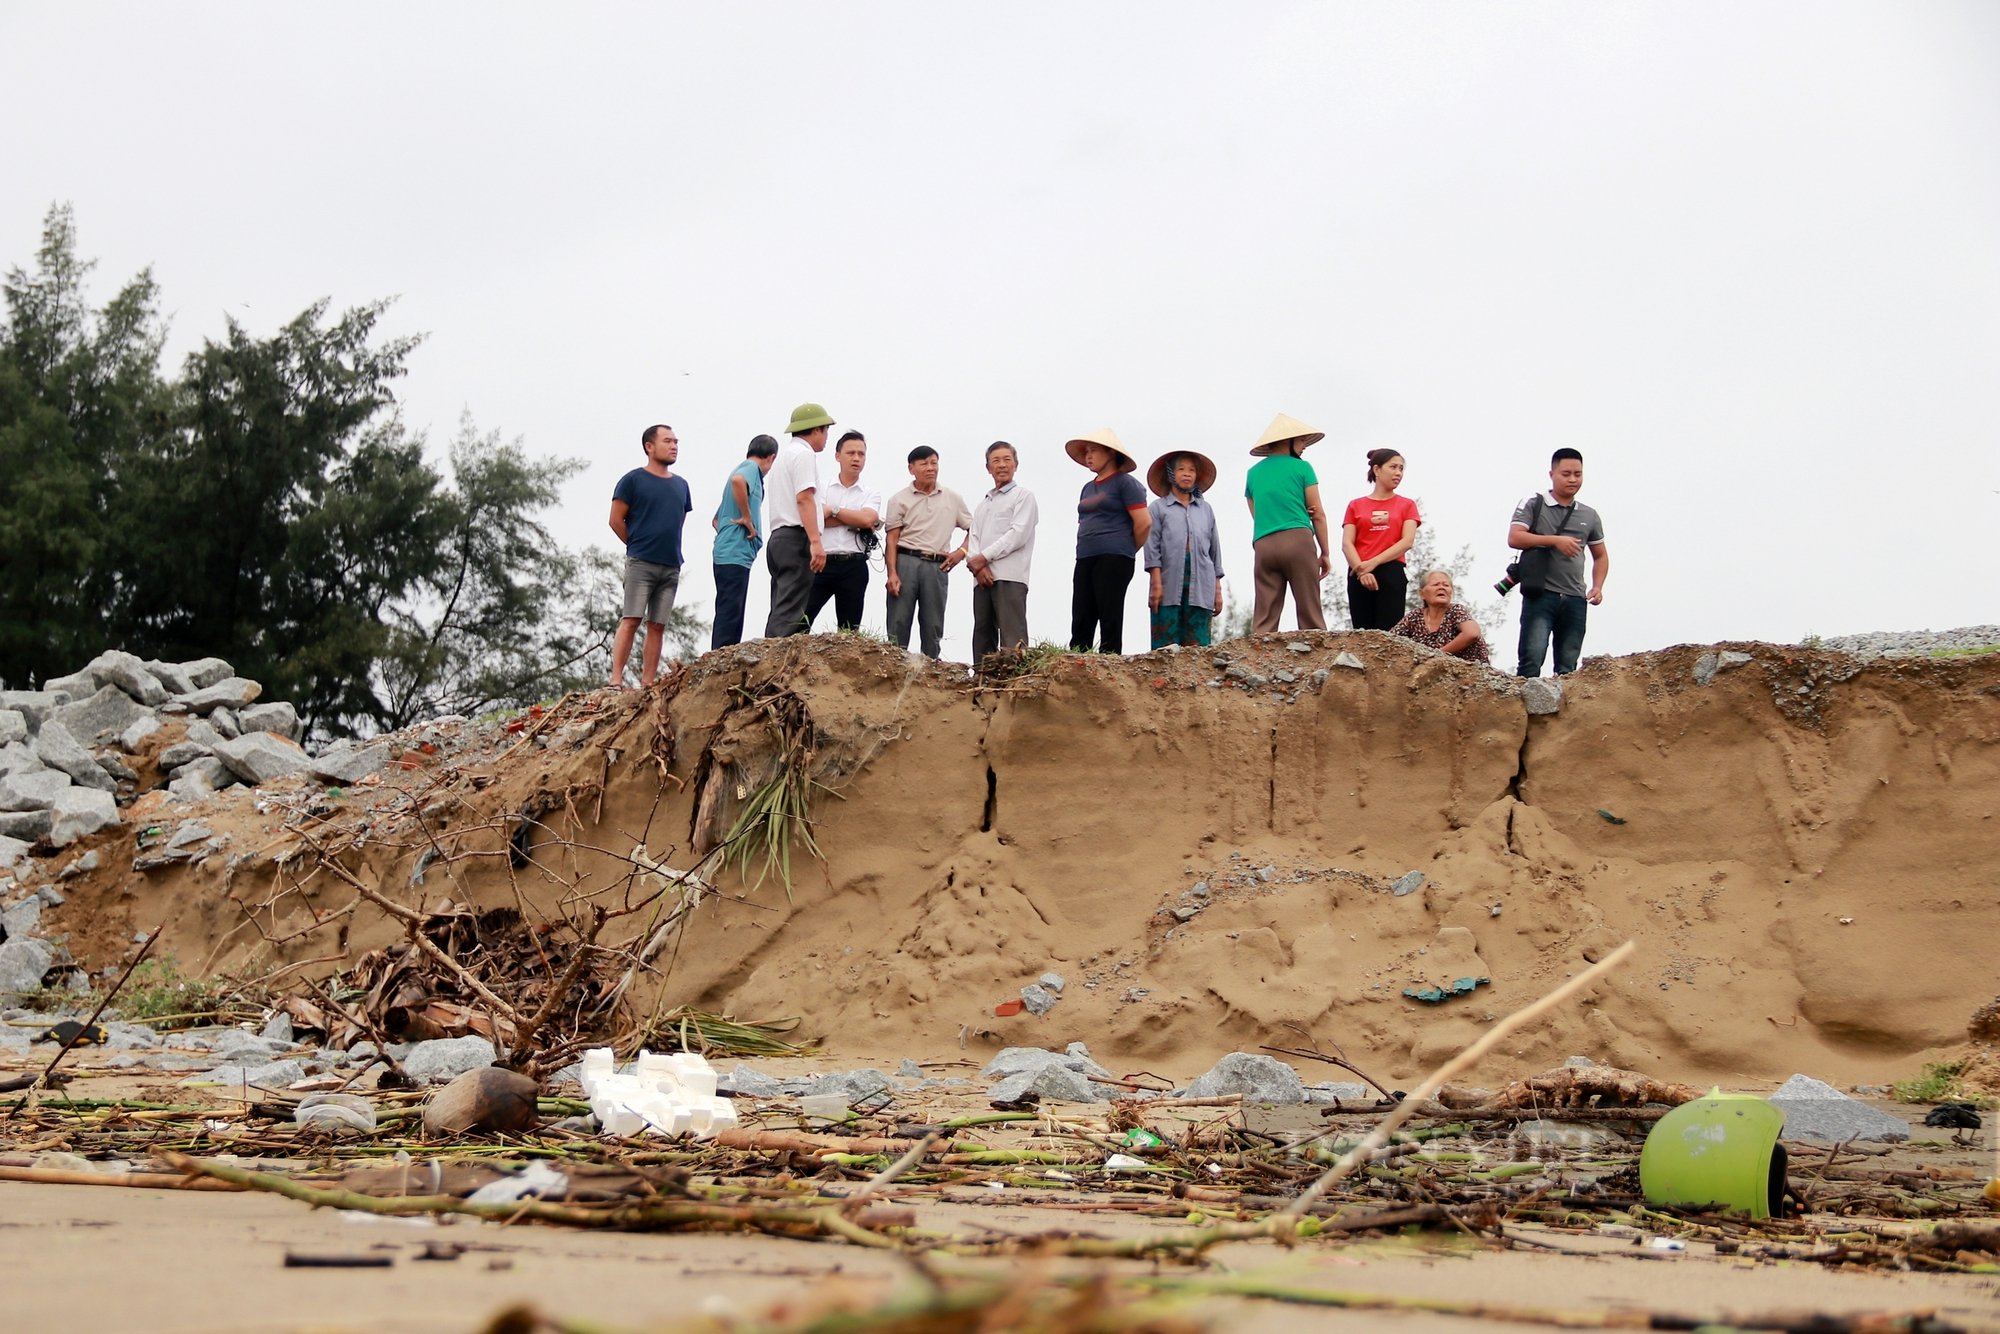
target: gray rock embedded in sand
205 672
1543 695
1338 1091
114 667
1015 1060
1037 999
100 716
79 813
745 1082
1053 981
11 852
32 789
13 727
1815 1110
231 692
279 718
1051 1083
441 1060
260 757
1349 661
852 1085
1262 1079
1709 664
57 748
1408 883
349 766
273 1075
23 960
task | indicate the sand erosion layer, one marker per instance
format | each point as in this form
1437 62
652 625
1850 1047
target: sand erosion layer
1203 844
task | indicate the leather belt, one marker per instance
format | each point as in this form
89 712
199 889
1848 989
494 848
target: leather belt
933 557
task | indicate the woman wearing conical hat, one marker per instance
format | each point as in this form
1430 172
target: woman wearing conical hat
1288 520
1184 553
1111 525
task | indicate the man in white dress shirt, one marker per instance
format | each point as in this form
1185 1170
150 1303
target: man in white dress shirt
792 550
849 513
1002 547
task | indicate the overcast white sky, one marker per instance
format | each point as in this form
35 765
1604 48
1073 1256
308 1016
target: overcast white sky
1743 255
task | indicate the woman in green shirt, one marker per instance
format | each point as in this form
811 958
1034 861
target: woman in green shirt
1283 492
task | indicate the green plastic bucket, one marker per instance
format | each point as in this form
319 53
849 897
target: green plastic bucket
1720 1151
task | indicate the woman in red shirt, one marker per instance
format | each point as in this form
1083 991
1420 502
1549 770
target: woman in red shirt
1378 529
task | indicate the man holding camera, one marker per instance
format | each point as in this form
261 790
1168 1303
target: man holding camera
1551 530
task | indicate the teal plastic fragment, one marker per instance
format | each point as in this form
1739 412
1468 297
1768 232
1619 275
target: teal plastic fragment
1439 995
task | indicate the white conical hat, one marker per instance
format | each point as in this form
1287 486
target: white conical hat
1107 438
1283 430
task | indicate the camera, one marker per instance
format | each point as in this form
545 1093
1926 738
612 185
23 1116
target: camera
1508 580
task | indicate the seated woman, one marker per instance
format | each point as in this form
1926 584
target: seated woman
1441 623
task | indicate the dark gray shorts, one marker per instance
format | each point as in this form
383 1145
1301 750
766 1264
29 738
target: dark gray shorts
649 590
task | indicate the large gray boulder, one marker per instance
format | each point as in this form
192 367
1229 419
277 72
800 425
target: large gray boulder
202 734
25 825
13 726
11 852
79 813
23 960
115 667
33 705
346 767
279 718
32 789
1051 1083
15 757
172 676
135 736
259 757
205 672
58 749
232 692
1817 1110
209 771
102 715
78 685
1263 1079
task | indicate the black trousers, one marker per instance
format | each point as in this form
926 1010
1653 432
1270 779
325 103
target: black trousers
1097 603
788 556
732 589
1382 608
844 582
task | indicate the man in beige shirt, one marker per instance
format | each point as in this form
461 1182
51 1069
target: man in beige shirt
922 518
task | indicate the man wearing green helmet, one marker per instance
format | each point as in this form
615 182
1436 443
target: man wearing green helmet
793 550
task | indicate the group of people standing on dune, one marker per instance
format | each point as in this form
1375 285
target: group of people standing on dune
817 539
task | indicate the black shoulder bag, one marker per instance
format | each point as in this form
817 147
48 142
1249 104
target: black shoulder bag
1531 571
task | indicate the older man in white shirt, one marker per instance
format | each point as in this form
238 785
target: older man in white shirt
1001 549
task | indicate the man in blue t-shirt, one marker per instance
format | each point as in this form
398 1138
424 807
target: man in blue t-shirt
739 531
648 508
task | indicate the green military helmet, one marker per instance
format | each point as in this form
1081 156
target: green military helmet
807 417
1717 1151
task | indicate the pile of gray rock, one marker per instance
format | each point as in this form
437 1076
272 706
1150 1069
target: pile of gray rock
71 753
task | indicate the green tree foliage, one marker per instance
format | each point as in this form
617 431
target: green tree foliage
285 511
268 506
79 388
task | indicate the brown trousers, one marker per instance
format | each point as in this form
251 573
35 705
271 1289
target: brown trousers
1287 559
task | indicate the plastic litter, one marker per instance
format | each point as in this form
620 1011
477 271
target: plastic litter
336 1113
539 1180
664 1094
1124 1162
